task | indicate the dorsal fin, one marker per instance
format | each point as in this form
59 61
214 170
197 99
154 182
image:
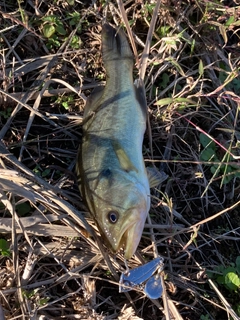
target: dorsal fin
141 95
93 101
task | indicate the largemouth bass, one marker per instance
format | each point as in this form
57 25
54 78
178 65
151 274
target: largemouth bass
110 164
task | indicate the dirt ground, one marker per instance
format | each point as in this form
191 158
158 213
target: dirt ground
53 262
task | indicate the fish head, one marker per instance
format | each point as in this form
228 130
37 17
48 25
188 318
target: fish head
121 205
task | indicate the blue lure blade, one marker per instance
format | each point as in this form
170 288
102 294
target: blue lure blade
137 276
153 288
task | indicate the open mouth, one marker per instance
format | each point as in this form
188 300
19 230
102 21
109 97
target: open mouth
131 238
125 233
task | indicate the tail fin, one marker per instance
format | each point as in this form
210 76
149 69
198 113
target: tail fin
114 44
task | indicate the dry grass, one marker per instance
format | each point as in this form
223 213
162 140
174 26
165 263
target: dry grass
55 266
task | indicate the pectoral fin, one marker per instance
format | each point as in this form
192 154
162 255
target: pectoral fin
123 158
155 177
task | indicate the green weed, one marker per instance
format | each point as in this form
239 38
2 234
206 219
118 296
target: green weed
74 18
230 79
228 276
54 30
34 294
209 154
40 172
6 113
4 248
53 25
65 101
23 209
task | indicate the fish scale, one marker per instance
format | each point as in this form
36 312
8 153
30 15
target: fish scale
114 180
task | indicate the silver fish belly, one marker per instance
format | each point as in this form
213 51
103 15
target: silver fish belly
114 181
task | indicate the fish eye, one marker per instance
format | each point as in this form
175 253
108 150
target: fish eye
113 216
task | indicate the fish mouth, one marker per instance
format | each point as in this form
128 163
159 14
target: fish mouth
130 238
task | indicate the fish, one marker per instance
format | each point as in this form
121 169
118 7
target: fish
113 178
